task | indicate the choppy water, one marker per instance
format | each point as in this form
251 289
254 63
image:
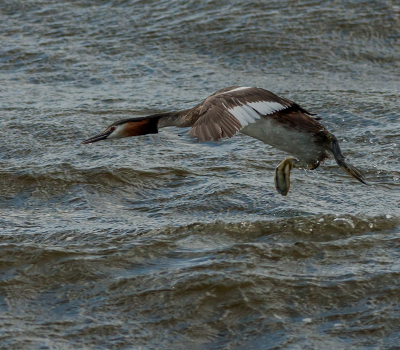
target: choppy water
160 242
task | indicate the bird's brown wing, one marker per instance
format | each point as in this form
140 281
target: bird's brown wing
226 112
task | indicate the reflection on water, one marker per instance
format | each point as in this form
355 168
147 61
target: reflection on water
160 242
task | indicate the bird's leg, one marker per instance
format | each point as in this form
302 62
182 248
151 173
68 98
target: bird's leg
282 173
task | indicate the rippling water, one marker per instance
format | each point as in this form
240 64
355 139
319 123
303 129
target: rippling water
160 242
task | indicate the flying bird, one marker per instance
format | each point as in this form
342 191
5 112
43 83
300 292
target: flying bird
255 112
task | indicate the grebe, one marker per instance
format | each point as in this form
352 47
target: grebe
255 112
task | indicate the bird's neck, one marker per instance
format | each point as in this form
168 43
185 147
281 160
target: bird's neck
181 119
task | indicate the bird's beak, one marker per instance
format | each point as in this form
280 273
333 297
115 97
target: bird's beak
99 137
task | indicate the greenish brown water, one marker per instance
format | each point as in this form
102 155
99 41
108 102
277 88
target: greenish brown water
158 242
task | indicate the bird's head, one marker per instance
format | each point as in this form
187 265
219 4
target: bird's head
126 128
112 132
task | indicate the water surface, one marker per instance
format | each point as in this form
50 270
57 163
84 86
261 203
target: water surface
160 242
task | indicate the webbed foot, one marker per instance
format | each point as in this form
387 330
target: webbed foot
282 175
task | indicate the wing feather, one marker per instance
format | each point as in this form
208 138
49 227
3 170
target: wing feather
227 111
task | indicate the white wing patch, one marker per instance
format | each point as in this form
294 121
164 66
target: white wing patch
244 114
237 89
265 107
250 112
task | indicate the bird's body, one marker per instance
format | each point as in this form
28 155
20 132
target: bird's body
255 112
302 145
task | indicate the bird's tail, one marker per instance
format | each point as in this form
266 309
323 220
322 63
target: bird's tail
348 168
